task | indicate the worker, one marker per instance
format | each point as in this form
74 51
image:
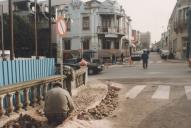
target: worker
58 104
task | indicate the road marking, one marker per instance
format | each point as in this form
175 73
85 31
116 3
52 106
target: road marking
150 62
162 92
133 93
188 92
159 62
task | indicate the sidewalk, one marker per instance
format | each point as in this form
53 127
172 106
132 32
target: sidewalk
176 61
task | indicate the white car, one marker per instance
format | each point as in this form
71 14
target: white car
164 54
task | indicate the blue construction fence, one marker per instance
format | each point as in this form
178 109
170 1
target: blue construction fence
17 71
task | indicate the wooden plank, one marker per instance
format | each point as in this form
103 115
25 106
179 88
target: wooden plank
24 70
1 74
5 73
21 70
10 73
27 69
14 72
17 71
41 68
32 69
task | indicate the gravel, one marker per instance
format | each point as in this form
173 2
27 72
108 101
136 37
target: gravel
104 109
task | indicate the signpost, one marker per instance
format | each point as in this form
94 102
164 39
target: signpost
61 30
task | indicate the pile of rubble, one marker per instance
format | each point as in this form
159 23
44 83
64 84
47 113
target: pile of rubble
104 109
25 121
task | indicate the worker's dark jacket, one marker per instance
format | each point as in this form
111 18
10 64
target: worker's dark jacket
145 57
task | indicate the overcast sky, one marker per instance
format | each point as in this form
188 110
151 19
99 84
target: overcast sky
149 15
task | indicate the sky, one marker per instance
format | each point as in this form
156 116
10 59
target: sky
149 15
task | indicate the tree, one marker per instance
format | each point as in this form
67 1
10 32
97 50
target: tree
23 36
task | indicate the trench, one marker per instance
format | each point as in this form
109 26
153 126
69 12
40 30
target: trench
103 110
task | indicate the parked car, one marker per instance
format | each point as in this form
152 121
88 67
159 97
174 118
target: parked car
164 54
93 68
136 56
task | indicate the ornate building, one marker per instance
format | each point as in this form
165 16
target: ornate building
93 25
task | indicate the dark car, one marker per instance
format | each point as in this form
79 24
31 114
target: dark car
136 56
93 68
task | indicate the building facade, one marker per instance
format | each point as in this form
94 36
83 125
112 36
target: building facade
178 29
93 25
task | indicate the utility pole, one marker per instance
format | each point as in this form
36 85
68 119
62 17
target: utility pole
2 38
11 37
189 34
50 29
35 29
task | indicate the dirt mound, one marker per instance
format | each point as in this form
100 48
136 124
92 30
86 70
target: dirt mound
25 121
104 109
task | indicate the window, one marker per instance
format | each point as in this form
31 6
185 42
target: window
116 45
106 44
106 21
67 44
86 23
86 44
68 24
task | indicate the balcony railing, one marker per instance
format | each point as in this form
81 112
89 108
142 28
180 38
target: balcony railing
23 96
102 29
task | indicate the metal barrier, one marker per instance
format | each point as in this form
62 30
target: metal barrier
17 71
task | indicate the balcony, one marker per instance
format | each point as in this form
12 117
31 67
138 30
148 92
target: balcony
113 30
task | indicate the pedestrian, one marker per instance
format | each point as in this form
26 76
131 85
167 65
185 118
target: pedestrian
122 57
130 60
113 59
58 104
145 58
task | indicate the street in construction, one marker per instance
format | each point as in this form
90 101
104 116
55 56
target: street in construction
158 97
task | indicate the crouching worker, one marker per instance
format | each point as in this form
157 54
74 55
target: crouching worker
58 104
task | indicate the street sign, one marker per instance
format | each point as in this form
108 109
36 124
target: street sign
61 26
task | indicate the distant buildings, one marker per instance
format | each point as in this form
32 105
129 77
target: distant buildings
145 40
100 26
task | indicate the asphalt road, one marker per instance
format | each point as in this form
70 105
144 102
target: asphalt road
156 68
159 97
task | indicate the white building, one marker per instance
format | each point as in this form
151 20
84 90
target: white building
93 25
